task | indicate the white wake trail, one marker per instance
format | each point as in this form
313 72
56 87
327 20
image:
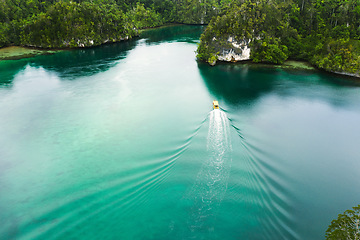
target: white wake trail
211 182
203 200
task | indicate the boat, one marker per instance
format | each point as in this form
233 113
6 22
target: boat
215 104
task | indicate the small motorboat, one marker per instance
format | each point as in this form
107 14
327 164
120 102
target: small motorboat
215 104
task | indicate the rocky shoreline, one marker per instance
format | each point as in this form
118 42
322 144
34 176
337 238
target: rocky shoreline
236 51
239 51
19 52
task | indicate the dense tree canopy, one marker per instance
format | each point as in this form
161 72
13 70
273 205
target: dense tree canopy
65 23
71 23
346 226
324 32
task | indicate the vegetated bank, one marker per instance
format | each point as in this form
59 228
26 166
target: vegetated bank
85 23
16 52
63 24
325 33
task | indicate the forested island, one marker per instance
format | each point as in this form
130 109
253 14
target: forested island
325 33
84 23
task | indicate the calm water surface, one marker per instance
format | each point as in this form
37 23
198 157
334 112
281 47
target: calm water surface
120 142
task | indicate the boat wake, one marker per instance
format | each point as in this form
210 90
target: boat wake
210 186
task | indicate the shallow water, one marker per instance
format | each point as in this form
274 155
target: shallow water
120 142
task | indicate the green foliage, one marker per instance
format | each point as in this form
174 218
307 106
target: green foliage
324 32
269 50
3 31
195 12
339 55
65 23
205 52
143 18
265 25
346 226
71 24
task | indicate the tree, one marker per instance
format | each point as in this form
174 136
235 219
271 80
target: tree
269 50
346 226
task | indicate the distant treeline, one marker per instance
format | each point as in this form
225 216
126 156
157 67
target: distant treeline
323 32
64 23
51 24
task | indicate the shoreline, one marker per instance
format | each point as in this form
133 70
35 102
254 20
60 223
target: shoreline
288 64
17 52
21 52
293 64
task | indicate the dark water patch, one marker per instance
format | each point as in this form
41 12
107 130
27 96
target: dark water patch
342 80
8 70
245 84
85 62
236 84
71 64
177 33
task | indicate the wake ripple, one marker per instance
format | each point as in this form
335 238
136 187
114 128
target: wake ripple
111 196
210 186
263 187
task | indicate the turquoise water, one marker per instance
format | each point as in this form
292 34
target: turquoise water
121 142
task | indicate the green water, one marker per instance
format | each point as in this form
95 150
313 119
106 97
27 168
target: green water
120 142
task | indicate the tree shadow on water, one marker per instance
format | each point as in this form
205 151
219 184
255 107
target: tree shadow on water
87 61
242 84
70 64
237 83
176 33
8 69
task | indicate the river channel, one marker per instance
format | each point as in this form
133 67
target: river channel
121 142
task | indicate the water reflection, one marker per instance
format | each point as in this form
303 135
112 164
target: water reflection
244 84
8 69
180 33
85 62
75 63
340 81
235 84
70 64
